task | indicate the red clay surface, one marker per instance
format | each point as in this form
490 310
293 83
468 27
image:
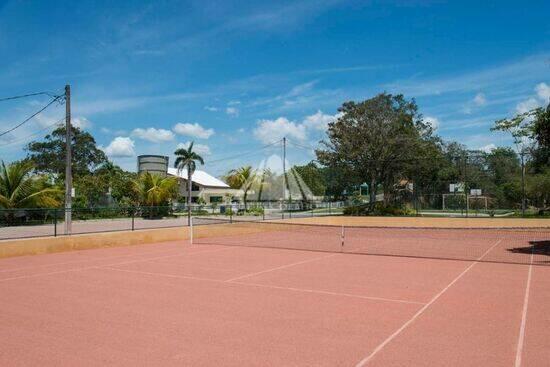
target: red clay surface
176 304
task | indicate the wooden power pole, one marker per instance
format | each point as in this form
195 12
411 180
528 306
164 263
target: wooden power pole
68 162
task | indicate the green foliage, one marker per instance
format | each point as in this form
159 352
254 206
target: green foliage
242 178
256 211
48 155
90 190
155 190
187 159
20 189
378 209
541 133
373 140
538 190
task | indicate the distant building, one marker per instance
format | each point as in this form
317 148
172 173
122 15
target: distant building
211 189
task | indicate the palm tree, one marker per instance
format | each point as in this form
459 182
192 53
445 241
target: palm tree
242 178
154 189
187 159
20 189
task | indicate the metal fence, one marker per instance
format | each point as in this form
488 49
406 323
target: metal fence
48 222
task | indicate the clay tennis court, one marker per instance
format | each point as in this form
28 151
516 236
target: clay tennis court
249 294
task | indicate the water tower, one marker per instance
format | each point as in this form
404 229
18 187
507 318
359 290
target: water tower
153 163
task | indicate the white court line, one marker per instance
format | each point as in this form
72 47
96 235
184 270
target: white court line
279 268
368 358
305 290
163 275
521 337
105 265
302 290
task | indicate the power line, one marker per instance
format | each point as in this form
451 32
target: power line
33 134
27 95
308 147
55 99
244 153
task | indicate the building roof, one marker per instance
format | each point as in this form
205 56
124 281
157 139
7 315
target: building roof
199 177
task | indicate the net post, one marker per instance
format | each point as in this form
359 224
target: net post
191 230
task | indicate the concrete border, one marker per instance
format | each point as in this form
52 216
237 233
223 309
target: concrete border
44 245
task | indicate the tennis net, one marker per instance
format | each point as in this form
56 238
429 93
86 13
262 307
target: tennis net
501 245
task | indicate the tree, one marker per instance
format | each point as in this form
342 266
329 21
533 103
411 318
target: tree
374 139
241 178
187 159
20 189
48 156
503 165
521 129
541 133
154 189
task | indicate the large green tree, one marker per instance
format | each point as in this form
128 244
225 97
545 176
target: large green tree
541 134
374 139
48 155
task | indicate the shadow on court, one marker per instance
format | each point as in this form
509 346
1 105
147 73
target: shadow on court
536 248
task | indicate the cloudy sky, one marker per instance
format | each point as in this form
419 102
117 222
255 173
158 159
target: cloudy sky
235 76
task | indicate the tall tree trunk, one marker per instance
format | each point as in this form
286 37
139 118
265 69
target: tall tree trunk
245 195
372 192
189 187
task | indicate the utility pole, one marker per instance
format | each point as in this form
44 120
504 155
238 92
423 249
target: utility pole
284 169
522 183
465 183
68 162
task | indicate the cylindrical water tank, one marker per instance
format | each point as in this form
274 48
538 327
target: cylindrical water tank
153 163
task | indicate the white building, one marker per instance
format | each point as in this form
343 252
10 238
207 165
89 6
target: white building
211 189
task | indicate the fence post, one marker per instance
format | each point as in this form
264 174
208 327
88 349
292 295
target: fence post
329 205
55 222
133 216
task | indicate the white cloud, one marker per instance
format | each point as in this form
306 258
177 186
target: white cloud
268 131
153 135
198 148
232 111
543 92
527 105
488 148
480 99
432 121
120 147
319 120
233 103
211 108
194 130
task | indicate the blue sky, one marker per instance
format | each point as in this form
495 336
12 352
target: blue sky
234 75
